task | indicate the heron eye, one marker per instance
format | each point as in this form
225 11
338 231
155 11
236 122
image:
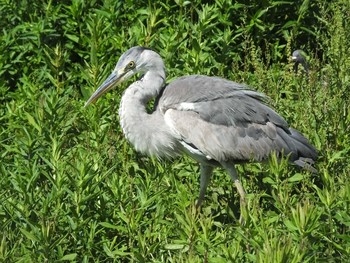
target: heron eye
131 65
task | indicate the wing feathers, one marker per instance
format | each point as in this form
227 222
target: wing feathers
227 121
220 142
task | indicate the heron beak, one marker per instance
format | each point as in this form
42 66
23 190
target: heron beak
294 58
113 80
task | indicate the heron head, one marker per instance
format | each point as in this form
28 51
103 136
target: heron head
135 60
299 56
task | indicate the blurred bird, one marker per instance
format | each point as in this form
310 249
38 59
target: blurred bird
299 57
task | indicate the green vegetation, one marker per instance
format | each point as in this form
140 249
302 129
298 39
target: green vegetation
72 188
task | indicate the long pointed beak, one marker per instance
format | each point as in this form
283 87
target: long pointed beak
113 80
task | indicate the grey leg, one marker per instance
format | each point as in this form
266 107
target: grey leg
206 172
233 174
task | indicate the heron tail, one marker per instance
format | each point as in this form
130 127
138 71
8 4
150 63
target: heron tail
306 153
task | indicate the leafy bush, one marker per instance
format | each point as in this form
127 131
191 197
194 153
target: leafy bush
72 188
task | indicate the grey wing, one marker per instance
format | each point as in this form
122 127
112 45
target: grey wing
223 120
218 101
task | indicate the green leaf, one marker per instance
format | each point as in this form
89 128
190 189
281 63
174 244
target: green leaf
296 178
268 180
74 38
174 246
108 225
68 257
29 235
290 225
32 122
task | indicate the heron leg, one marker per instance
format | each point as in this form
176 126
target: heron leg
206 172
234 176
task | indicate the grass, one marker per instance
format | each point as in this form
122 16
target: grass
73 189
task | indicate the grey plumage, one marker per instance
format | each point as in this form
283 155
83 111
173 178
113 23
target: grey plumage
227 121
299 57
216 121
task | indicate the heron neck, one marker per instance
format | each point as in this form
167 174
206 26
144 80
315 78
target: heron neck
143 90
146 131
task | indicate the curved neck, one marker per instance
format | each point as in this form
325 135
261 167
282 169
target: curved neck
150 85
147 132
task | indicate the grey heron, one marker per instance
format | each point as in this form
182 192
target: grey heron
216 121
299 57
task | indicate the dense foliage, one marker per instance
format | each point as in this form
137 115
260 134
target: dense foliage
72 188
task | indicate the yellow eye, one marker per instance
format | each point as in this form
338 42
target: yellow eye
131 65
